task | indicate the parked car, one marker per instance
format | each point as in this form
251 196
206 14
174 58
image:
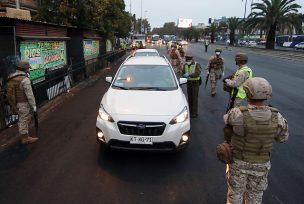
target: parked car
146 52
300 45
251 44
144 107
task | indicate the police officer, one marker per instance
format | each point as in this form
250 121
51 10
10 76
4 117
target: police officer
253 129
215 69
192 71
241 75
21 98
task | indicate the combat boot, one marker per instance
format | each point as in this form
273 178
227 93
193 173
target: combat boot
26 139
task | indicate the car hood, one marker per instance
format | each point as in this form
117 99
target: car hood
134 102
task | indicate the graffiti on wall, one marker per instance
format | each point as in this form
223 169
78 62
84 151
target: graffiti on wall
43 55
90 48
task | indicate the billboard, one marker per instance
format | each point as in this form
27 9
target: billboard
43 55
90 48
184 23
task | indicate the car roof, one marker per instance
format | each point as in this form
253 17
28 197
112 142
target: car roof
146 50
143 60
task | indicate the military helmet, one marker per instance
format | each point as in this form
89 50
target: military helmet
258 88
174 45
241 57
218 50
23 65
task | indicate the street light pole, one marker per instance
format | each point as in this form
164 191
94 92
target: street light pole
141 23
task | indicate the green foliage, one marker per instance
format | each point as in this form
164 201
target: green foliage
107 16
270 15
233 24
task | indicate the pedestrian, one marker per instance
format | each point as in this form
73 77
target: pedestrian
237 80
206 43
215 69
192 71
21 98
175 58
253 129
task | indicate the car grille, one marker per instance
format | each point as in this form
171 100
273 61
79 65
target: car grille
123 145
141 128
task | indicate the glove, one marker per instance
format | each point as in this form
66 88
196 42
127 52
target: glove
34 108
186 75
223 74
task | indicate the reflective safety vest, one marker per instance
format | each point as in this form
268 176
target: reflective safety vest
241 92
190 69
256 145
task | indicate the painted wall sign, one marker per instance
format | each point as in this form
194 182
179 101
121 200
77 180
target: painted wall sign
43 55
90 48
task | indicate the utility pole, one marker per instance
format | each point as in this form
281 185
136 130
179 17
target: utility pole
141 23
17 4
245 10
130 7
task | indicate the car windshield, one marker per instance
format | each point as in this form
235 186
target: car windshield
146 54
145 77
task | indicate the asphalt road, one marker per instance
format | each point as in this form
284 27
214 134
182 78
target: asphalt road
68 166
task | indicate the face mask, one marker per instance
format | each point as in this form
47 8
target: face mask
188 62
217 53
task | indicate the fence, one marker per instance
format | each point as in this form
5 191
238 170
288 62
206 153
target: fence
56 83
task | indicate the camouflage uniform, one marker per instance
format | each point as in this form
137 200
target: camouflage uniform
24 108
215 71
176 60
247 179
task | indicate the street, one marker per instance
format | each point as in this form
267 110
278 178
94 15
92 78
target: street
68 166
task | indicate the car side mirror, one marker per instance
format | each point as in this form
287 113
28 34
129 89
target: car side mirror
182 81
109 79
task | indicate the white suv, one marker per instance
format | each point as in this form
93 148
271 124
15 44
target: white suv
144 108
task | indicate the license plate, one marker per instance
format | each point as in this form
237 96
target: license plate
141 140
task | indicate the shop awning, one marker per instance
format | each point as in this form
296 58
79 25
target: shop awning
28 37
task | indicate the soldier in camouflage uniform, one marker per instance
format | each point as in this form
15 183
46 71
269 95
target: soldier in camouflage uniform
215 69
253 129
241 75
22 100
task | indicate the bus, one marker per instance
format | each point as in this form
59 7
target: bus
155 39
296 40
281 39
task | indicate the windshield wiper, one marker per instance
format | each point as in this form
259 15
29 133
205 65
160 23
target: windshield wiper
149 88
120 87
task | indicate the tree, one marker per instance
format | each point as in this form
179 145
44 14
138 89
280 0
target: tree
271 13
213 29
107 16
233 24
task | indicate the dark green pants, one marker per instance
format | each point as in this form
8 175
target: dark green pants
192 89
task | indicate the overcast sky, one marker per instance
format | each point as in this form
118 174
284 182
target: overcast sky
159 12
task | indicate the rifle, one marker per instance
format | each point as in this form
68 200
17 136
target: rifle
232 99
207 77
36 122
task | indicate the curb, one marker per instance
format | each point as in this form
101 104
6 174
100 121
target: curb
51 106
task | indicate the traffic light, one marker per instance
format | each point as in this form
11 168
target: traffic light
209 21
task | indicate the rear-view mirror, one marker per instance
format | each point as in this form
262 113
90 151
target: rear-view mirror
109 79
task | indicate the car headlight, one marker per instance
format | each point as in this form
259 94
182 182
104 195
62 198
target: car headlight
104 115
181 117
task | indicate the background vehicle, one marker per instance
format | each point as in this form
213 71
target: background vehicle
149 39
251 44
300 45
296 40
138 40
281 39
155 39
146 52
150 110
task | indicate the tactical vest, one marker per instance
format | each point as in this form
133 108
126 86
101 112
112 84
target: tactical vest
217 63
173 54
190 69
241 92
15 93
256 145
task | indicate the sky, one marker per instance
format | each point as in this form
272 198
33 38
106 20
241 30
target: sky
159 12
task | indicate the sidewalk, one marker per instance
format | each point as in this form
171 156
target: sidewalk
10 137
